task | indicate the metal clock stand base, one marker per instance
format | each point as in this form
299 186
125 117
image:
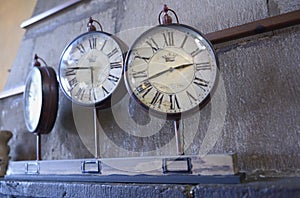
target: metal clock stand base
218 168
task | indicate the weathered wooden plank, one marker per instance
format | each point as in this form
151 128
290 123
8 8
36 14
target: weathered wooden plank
255 27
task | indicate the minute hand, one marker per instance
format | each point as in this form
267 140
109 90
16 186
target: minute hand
170 69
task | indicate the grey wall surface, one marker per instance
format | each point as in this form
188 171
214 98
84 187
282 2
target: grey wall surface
255 111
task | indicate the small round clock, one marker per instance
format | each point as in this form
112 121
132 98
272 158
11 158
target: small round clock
171 69
91 67
40 99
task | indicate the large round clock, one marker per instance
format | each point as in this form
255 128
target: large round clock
41 100
171 69
91 68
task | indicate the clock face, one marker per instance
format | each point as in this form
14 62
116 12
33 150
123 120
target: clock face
33 99
171 69
90 68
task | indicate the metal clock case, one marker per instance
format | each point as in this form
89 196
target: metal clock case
171 69
41 99
91 68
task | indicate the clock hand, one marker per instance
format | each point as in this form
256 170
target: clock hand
170 69
159 73
183 66
92 76
79 67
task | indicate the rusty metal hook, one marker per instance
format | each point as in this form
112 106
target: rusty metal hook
90 25
166 19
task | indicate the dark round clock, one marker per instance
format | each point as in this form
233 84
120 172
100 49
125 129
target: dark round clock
40 99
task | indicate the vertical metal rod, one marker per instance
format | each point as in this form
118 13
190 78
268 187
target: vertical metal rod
178 137
97 154
38 147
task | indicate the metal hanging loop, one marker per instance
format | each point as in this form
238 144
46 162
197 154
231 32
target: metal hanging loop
91 27
166 19
37 63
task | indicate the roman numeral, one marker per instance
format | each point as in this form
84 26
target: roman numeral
105 92
174 102
145 86
79 94
103 45
69 72
203 66
73 82
196 52
113 52
113 78
191 97
116 65
93 43
81 48
169 39
92 94
153 45
139 74
146 59
200 82
157 99
183 42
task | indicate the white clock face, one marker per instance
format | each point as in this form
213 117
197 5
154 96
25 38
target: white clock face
33 99
171 69
91 68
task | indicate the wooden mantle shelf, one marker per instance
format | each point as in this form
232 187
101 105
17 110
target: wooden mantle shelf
256 27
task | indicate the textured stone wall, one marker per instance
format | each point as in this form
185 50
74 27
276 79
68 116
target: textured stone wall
255 111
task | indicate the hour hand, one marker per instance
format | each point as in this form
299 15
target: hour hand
183 66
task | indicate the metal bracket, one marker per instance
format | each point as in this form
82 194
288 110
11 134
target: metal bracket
91 166
177 165
32 168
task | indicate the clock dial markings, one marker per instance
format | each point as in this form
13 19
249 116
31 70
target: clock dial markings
196 52
81 48
116 65
113 79
70 72
191 98
80 92
104 43
105 92
200 82
113 52
184 41
93 43
157 99
146 59
73 82
203 66
145 85
152 43
139 74
174 102
169 38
